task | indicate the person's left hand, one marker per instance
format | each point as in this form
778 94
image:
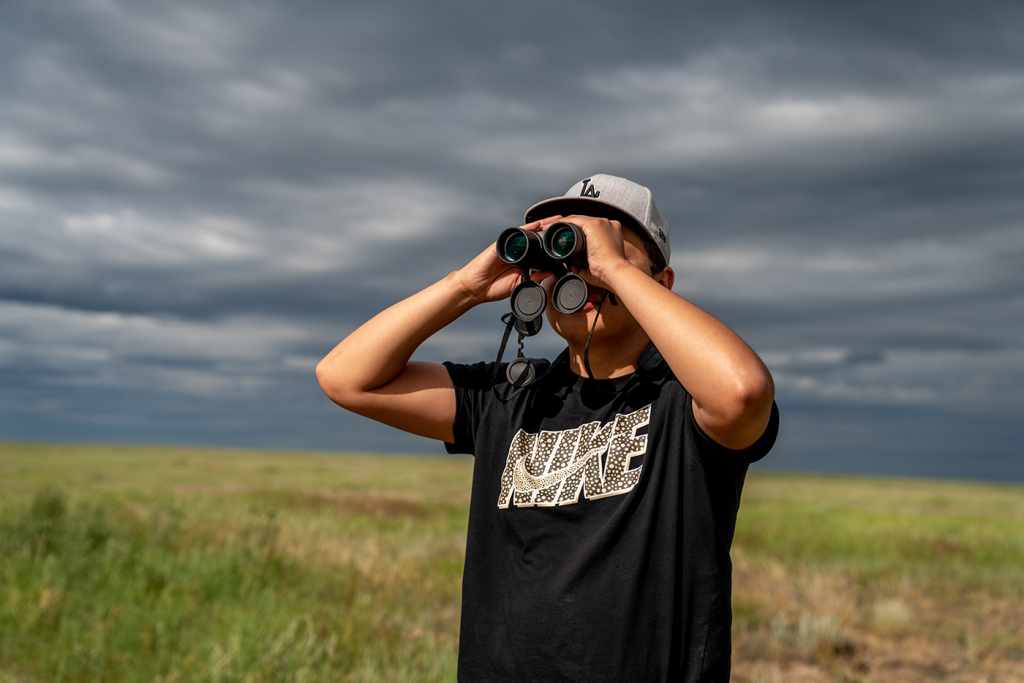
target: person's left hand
604 248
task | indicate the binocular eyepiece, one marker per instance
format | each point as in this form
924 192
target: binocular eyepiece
552 250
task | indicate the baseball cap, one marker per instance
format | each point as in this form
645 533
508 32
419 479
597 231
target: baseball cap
612 197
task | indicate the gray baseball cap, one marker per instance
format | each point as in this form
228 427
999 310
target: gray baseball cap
609 196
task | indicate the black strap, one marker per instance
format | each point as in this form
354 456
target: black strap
509 319
586 346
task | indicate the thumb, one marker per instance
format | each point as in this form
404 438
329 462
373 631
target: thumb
517 277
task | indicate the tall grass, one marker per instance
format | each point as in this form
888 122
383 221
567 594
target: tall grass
98 591
174 564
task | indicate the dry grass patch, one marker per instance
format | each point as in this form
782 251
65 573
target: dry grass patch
354 502
801 623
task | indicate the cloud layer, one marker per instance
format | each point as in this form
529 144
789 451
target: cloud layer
197 202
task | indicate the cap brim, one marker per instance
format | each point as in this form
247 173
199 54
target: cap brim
582 206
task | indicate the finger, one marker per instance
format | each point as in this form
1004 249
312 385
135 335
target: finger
538 225
517 278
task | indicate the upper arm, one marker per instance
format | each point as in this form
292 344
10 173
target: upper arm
736 433
420 400
750 434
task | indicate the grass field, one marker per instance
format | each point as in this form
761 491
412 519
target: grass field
176 564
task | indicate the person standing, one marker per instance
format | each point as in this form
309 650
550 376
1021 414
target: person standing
605 493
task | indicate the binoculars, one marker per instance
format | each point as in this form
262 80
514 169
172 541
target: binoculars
553 250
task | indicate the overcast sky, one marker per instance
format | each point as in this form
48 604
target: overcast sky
198 201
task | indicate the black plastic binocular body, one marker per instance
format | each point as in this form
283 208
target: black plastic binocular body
553 250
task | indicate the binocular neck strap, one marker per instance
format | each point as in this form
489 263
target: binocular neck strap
509 319
586 346
504 340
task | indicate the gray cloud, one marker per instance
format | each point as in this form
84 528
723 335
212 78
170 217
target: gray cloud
197 202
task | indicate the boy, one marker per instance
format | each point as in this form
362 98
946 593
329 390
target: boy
603 505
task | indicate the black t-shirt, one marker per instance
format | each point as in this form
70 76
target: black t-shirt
600 522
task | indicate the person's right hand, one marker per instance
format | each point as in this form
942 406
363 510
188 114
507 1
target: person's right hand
487 278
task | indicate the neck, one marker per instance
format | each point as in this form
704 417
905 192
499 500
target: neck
609 358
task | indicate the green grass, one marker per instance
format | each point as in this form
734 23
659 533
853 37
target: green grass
168 564
946 535
177 564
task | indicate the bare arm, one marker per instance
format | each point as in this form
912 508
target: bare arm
369 371
732 388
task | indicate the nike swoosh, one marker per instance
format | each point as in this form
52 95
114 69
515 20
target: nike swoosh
525 482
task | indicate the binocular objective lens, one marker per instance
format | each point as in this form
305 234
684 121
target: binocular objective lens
563 242
515 246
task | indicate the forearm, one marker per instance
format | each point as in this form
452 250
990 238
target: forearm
715 365
379 350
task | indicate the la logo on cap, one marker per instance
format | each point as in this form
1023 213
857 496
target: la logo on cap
589 190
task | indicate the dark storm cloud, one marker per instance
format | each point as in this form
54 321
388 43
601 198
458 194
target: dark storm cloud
198 201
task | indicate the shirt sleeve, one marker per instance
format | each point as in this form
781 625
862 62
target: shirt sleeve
751 453
473 385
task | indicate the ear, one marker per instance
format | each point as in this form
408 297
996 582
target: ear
667 277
